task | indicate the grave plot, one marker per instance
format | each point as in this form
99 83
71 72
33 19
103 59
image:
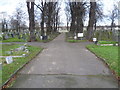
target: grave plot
14 50
108 43
14 57
14 37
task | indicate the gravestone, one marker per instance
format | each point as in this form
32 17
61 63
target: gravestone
48 37
12 35
26 50
75 37
95 40
9 60
6 36
24 55
25 44
8 52
23 37
22 48
41 37
80 36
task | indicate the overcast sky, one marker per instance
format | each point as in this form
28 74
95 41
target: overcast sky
9 6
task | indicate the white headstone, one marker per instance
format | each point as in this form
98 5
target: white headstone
80 34
75 37
24 55
41 37
9 60
94 39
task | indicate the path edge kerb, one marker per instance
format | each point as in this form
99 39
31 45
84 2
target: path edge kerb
15 73
103 60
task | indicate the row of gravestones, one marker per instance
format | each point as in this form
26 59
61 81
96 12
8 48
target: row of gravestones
7 35
107 34
22 35
23 48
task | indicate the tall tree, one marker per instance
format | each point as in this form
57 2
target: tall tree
113 16
4 25
49 16
17 20
4 22
52 16
92 18
30 6
77 10
98 13
68 15
80 12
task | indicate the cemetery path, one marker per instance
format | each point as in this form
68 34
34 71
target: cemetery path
65 65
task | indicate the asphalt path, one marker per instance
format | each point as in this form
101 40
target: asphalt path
65 65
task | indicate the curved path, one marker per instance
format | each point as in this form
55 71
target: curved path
65 65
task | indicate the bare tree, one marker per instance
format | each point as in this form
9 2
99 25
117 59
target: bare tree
80 12
30 6
13 23
4 25
4 22
113 16
68 15
17 20
77 10
92 18
42 8
49 16
98 13
52 16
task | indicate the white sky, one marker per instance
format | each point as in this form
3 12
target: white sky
9 6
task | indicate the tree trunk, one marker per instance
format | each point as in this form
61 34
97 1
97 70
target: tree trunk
91 20
42 24
31 21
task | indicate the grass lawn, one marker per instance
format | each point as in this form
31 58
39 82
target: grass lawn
9 69
13 40
8 47
107 42
109 53
75 41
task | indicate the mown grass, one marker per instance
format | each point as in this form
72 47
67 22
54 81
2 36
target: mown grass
107 42
9 69
13 40
8 47
75 41
109 53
